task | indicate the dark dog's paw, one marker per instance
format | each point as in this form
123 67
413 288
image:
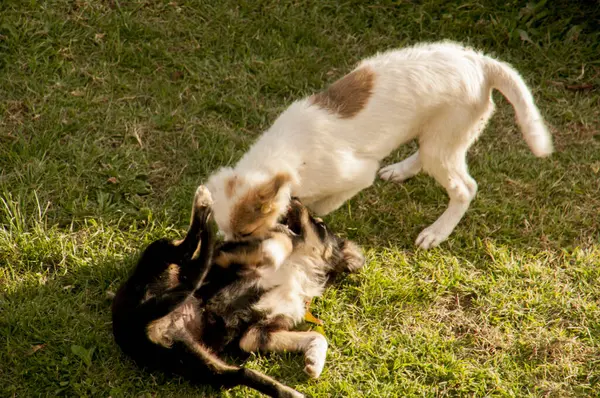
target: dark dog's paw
353 256
203 198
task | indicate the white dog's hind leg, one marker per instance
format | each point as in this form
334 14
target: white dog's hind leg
452 174
443 154
401 171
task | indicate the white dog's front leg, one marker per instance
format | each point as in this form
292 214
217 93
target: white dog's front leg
358 174
331 203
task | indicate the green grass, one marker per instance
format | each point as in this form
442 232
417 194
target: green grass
113 111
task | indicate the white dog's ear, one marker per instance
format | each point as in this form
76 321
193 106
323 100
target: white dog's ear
267 192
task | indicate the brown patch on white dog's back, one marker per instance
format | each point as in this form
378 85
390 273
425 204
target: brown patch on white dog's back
347 96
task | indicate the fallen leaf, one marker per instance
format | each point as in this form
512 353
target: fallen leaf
319 329
35 348
98 37
581 87
310 318
524 36
177 75
77 93
112 180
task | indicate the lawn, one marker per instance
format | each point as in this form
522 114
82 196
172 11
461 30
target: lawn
113 111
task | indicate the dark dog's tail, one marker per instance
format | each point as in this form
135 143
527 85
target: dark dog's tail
266 385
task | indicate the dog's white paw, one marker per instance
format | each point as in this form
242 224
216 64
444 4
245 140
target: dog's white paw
394 173
431 237
203 198
314 357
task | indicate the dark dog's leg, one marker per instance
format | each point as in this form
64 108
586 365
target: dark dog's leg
233 260
352 258
274 335
221 374
160 254
272 251
198 245
201 210
193 269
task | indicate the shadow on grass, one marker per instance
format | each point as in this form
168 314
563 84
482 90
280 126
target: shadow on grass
58 339
446 314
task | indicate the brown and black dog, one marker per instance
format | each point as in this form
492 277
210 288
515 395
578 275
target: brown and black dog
189 301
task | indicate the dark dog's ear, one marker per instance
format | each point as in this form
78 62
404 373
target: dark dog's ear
353 258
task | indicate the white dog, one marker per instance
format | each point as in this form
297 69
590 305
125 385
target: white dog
326 148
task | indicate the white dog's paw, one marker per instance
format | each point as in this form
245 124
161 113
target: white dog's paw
392 173
396 172
431 237
314 357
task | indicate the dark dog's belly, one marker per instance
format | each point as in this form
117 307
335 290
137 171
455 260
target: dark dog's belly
228 315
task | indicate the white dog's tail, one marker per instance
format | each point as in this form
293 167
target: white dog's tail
504 78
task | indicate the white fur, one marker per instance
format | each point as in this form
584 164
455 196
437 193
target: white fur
438 93
276 250
290 286
315 355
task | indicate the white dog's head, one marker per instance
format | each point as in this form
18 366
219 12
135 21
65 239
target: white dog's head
248 204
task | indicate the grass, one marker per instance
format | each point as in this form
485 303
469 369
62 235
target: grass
113 111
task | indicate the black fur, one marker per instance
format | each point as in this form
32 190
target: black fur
209 308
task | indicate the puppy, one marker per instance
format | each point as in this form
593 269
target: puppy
187 302
326 148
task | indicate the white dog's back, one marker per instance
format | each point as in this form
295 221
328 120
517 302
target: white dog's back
409 86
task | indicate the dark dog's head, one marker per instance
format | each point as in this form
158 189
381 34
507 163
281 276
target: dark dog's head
313 238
